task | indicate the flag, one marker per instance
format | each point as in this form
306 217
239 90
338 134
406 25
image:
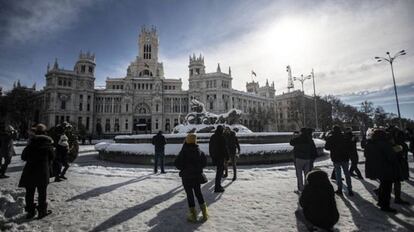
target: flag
253 73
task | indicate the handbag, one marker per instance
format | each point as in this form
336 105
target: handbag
203 178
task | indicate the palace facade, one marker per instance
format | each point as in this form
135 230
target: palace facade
145 101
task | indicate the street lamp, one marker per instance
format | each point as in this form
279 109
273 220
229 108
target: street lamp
314 98
390 60
302 79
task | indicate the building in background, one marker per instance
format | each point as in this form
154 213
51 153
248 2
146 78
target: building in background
145 101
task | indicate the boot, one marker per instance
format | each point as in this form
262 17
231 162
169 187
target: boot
42 211
204 211
192 215
31 211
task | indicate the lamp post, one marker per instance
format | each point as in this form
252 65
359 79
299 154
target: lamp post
303 79
390 59
314 98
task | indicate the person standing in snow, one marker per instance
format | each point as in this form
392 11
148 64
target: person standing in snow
351 145
218 153
233 148
39 155
340 158
6 148
304 151
401 150
159 143
318 200
191 161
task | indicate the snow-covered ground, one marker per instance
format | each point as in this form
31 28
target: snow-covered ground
104 196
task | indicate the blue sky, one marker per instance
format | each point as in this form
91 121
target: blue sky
337 38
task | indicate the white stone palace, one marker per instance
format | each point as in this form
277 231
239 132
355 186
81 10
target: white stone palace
145 101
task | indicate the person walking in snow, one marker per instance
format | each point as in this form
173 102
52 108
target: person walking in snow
159 144
304 151
318 200
340 158
39 155
6 148
62 152
218 153
233 148
351 145
191 161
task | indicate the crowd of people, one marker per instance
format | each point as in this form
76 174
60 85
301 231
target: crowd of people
385 151
386 160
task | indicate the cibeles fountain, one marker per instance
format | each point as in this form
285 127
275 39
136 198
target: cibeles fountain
255 147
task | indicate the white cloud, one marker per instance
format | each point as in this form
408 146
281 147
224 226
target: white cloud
33 20
338 40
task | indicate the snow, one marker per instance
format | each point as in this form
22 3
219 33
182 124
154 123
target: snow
180 129
105 196
174 149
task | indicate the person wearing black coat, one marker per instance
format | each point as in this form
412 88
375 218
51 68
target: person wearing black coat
304 151
39 155
340 158
351 146
318 200
6 148
401 150
159 142
191 161
218 153
233 148
381 162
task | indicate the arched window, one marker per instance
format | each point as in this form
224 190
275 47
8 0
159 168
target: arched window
145 72
147 51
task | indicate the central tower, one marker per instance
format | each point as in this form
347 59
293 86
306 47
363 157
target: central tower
148 44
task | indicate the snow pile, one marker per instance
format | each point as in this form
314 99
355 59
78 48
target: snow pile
174 149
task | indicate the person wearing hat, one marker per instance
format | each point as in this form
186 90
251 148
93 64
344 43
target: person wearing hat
304 151
6 148
340 158
191 161
39 155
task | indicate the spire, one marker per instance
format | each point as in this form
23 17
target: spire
273 84
218 68
14 85
48 67
229 71
56 65
34 86
18 84
267 83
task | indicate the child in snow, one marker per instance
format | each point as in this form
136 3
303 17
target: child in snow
318 200
191 161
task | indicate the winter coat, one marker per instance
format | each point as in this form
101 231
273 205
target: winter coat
6 145
318 200
232 143
190 161
336 145
159 142
304 147
218 149
380 160
351 146
38 155
62 153
402 160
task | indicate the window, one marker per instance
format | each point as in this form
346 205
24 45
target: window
56 119
167 124
60 82
197 71
88 107
67 118
90 69
63 105
156 107
211 105
83 68
156 124
126 107
116 126
126 124
80 106
147 51
107 125
87 123
79 121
